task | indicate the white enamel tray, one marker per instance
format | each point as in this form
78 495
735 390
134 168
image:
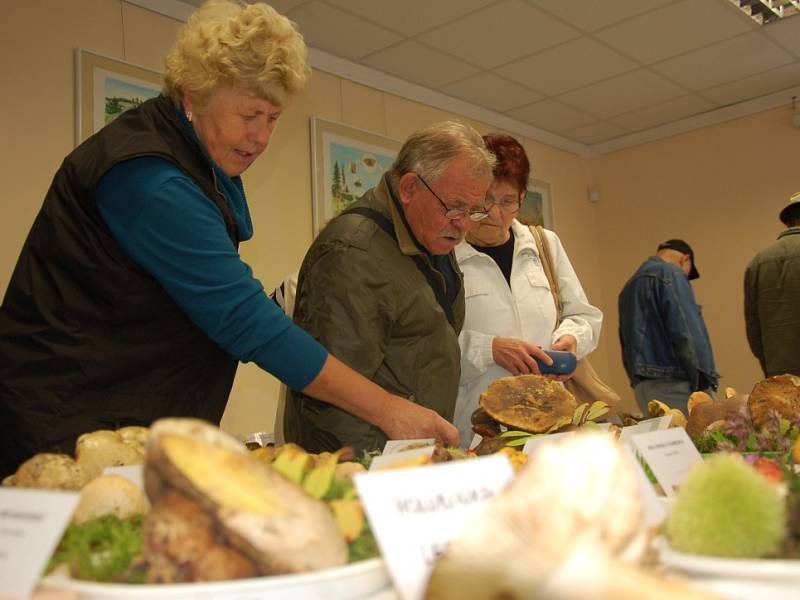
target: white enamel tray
738 568
356 580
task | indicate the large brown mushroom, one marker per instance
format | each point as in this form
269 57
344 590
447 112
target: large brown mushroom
531 403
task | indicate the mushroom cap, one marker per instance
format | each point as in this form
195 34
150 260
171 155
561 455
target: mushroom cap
528 402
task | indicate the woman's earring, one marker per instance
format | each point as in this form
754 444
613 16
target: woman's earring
189 116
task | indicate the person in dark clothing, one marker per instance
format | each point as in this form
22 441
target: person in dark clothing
129 301
380 286
771 292
666 350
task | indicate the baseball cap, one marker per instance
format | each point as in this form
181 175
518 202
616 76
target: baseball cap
684 248
784 216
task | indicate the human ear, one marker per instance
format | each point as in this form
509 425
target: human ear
188 105
406 186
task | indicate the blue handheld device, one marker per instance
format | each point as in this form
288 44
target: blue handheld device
564 363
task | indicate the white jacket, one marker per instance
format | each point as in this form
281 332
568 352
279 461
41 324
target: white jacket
525 311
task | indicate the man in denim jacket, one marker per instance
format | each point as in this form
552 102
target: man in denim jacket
665 346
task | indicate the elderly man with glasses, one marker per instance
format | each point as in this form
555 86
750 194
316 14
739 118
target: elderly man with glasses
380 287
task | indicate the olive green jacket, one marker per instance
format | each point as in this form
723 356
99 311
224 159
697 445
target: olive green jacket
772 305
365 299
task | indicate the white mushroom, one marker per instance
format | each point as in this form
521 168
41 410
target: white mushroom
575 505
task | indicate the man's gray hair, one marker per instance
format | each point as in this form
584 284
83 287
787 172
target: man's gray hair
429 151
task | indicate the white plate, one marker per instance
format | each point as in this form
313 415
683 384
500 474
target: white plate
356 580
736 568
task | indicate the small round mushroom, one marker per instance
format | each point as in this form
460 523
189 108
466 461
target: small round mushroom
109 495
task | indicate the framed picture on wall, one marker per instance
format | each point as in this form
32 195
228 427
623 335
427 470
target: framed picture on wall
345 163
105 88
537 206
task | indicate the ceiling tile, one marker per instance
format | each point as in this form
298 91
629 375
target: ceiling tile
786 33
410 17
727 61
756 85
491 91
500 33
322 27
551 115
420 64
622 94
568 66
676 29
586 15
673 110
594 133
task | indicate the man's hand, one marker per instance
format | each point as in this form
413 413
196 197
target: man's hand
405 420
517 356
398 418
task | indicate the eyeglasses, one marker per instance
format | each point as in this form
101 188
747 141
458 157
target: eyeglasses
506 205
474 214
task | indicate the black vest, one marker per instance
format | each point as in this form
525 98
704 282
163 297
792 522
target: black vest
88 339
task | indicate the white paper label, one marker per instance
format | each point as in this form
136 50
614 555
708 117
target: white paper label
401 445
384 460
414 513
536 442
670 454
476 439
132 473
657 424
31 524
654 511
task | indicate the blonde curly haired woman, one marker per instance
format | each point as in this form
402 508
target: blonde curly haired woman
130 301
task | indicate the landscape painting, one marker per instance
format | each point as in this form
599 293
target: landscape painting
115 93
105 88
536 208
346 163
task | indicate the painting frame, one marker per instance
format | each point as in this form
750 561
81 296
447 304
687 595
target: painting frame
537 206
95 75
363 157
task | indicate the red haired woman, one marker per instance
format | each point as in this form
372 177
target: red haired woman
510 311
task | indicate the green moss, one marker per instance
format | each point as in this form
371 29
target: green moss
102 549
726 508
364 546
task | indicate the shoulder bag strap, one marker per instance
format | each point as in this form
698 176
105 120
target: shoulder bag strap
384 223
547 264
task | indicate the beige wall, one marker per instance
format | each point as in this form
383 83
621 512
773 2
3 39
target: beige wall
679 187
720 189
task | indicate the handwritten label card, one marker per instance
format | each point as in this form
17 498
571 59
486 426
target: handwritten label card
670 454
657 424
536 442
400 445
31 524
414 513
384 460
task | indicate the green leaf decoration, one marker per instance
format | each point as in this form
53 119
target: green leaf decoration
520 441
512 434
579 416
319 479
559 424
597 410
